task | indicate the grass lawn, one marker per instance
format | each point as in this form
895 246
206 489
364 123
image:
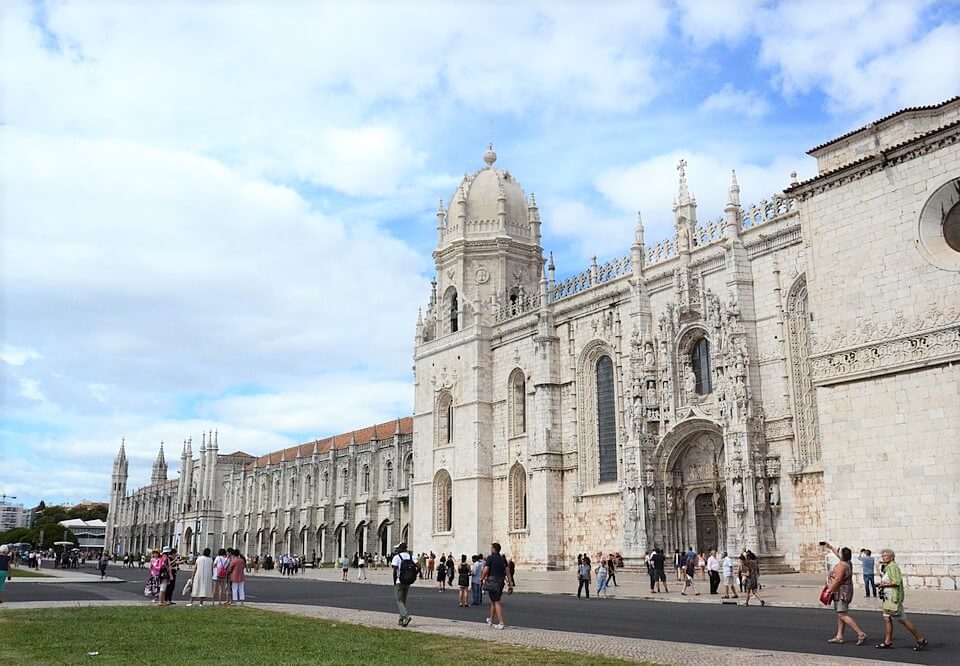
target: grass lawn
25 573
149 635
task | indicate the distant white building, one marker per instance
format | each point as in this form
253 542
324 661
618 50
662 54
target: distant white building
13 516
91 534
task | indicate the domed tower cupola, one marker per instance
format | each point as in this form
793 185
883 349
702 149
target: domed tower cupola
488 203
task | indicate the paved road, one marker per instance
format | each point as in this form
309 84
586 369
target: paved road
784 629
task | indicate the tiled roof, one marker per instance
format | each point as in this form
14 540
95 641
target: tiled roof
909 109
379 432
867 158
238 454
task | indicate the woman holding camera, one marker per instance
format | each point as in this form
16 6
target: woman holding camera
840 587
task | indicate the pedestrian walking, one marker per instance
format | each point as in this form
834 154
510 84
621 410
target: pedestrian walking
4 568
659 568
751 579
431 565
476 573
603 578
891 583
729 582
690 571
238 577
713 571
162 568
405 574
583 575
174 568
202 587
345 565
493 579
511 572
868 566
221 586
612 570
361 567
840 587
463 580
442 573
102 565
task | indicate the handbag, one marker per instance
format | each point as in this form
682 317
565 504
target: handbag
826 596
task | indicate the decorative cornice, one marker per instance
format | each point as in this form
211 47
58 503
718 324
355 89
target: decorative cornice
941 137
878 349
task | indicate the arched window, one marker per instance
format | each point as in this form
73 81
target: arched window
518 403
366 478
444 419
606 421
344 481
276 491
308 488
518 498
293 490
442 502
325 488
389 474
700 362
454 313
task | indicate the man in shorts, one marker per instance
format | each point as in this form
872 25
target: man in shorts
493 578
729 579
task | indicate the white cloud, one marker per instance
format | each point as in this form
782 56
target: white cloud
13 355
30 389
741 102
868 56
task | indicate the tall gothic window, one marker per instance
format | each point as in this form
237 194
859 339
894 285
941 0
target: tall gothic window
518 498
442 502
454 311
805 423
293 490
444 419
345 481
700 362
325 488
366 478
606 421
518 403
308 488
389 474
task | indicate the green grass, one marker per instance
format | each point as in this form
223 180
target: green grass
150 635
26 573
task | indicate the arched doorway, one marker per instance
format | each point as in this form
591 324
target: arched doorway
341 540
362 537
321 543
187 542
688 509
383 537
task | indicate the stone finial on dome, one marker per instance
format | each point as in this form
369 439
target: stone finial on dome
489 156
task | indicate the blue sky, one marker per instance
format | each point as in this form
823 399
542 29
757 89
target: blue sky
221 216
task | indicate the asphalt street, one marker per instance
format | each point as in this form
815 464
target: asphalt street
775 629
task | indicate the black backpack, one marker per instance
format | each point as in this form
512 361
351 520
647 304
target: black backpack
408 571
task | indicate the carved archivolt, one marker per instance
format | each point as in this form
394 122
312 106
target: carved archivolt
806 424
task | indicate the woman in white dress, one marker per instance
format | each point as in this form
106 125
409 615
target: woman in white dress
202 579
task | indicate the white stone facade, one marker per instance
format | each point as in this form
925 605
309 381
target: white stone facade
322 499
784 374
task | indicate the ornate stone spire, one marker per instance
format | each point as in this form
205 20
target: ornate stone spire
684 194
159 473
734 192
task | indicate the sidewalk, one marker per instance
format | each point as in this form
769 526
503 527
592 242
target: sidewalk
633 649
790 590
58 576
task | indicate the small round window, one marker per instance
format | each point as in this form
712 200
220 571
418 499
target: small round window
938 230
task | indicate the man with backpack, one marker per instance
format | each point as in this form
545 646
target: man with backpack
405 573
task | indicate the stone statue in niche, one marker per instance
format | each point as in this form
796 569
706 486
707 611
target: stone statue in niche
761 495
651 393
651 502
774 493
737 493
648 358
669 500
679 498
690 382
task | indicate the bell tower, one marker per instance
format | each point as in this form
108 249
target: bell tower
489 265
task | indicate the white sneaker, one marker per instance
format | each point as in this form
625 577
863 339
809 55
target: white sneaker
190 604
498 626
489 621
